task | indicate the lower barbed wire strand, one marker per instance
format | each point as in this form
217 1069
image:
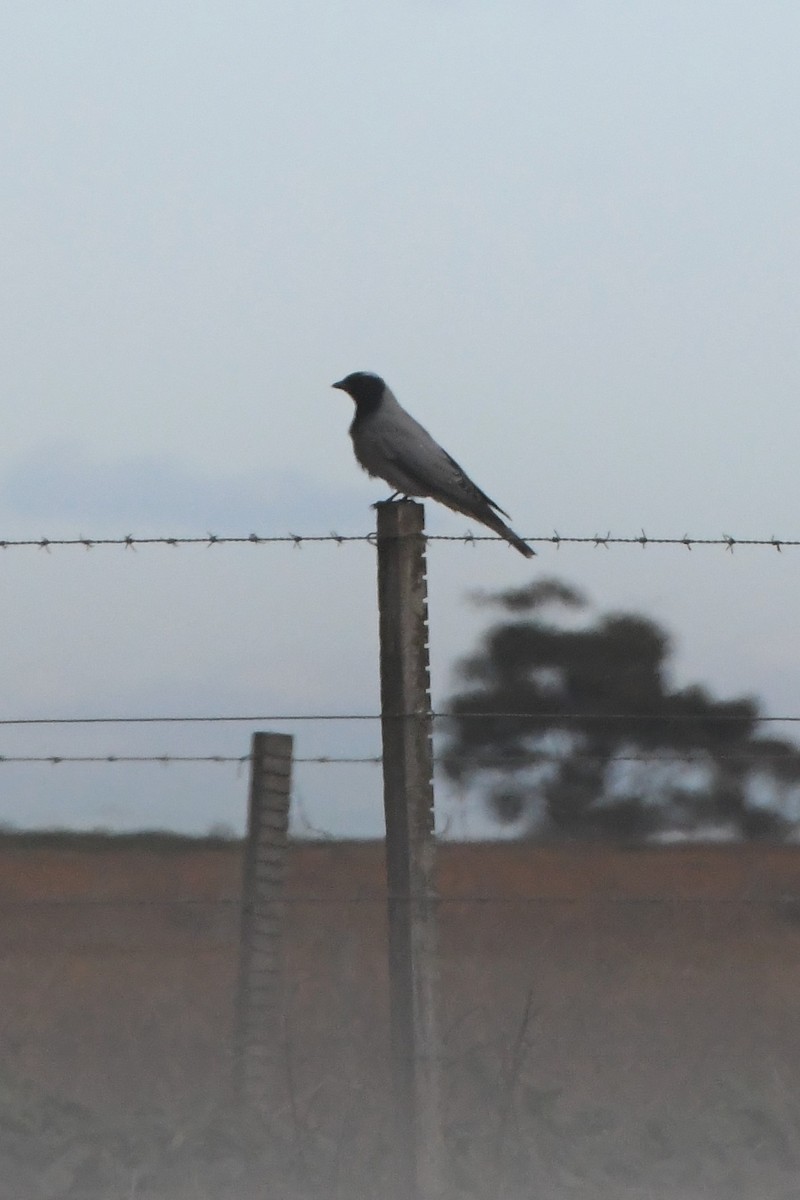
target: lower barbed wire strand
788 899
122 759
478 763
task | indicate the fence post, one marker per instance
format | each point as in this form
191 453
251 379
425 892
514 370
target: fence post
408 804
258 1035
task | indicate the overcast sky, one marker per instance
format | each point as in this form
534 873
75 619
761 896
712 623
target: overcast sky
567 235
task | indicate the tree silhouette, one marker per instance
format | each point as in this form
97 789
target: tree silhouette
572 729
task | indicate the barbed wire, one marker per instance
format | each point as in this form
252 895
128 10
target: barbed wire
165 759
297 540
130 541
785 899
511 762
553 718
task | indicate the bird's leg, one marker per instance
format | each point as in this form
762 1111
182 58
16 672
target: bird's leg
389 499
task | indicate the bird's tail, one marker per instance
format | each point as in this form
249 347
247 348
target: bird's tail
505 531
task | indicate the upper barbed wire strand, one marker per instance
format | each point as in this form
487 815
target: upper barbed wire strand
604 541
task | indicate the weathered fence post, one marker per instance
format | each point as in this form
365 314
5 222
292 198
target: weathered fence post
259 1025
408 803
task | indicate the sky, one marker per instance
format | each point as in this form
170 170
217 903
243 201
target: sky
567 236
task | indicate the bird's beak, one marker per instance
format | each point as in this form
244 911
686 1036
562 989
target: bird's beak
340 385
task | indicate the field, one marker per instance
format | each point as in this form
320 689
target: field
615 1023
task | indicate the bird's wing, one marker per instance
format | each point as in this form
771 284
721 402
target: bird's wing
392 444
412 450
471 487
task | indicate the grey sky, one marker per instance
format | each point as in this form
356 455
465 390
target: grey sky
566 234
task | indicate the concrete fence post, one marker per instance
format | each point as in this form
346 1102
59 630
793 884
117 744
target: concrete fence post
410 849
259 1023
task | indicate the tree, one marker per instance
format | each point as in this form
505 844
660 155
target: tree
571 728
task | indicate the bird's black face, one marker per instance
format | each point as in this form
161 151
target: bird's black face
364 387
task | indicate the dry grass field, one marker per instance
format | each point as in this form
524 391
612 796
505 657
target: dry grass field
615 1023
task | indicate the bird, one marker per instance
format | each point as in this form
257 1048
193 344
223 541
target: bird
390 445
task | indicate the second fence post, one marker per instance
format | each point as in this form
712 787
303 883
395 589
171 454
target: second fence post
408 803
259 1024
